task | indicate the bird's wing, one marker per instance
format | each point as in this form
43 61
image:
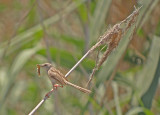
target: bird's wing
57 75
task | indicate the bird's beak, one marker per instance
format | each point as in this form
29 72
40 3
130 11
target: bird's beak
38 69
40 65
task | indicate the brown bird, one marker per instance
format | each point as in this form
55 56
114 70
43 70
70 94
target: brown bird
57 78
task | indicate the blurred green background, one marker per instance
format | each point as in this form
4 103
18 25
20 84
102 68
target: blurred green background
61 31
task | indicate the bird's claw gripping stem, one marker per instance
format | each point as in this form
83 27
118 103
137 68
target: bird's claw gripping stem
57 85
54 87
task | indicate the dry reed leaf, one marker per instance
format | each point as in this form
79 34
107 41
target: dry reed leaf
112 38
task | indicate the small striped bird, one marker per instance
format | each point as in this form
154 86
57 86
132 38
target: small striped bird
57 78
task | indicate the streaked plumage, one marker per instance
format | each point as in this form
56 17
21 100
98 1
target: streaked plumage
57 77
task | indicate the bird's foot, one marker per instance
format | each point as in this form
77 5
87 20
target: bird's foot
57 85
54 87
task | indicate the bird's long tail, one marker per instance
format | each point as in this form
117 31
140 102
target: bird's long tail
78 87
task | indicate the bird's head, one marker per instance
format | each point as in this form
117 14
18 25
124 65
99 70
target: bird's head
47 66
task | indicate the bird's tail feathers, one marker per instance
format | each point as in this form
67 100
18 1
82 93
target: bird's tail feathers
78 87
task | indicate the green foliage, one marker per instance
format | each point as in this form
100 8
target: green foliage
148 96
134 86
2 7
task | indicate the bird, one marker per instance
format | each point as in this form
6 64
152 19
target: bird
57 78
